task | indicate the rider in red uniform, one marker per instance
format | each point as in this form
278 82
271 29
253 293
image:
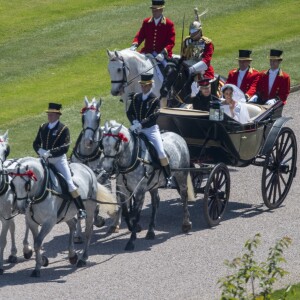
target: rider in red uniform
157 32
244 77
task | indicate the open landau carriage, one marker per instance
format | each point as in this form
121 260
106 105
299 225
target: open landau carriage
214 145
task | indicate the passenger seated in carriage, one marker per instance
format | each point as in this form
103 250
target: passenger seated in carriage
273 84
142 114
244 77
197 50
234 104
201 94
52 142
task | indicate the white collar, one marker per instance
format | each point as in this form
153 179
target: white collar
156 21
52 125
145 96
274 71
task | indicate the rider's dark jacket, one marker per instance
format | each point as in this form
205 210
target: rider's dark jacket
144 110
201 102
57 139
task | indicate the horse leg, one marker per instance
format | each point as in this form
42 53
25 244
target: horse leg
138 204
98 220
27 250
155 203
78 239
13 252
88 234
41 260
72 223
186 224
3 241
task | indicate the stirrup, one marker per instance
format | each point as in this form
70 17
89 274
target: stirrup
81 214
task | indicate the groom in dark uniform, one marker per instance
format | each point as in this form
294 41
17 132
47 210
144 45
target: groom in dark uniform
52 142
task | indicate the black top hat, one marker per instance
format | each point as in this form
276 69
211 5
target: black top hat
158 4
244 55
204 82
54 108
146 78
275 54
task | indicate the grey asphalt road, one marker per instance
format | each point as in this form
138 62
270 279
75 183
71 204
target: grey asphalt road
175 265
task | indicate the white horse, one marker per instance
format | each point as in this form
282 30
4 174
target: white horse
125 67
126 155
87 150
8 211
39 193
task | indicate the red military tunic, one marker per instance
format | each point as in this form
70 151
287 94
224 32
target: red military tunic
280 88
199 50
249 82
157 37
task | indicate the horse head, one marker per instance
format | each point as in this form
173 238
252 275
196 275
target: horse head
4 146
90 121
26 177
115 138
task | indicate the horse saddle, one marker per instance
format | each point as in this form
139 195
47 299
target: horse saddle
56 180
152 151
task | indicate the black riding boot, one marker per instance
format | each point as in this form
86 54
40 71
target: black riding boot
168 175
79 205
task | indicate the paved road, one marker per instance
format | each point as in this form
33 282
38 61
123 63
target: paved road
175 265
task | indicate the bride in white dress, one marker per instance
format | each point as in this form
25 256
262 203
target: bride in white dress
234 104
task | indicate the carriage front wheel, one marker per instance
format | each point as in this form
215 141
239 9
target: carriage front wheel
279 169
216 194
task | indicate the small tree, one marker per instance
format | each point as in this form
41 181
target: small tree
249 272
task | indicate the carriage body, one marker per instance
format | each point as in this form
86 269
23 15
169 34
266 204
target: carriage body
214 145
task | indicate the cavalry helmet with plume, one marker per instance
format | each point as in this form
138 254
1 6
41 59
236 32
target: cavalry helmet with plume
196 25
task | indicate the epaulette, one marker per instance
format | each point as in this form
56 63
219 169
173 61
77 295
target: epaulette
206 40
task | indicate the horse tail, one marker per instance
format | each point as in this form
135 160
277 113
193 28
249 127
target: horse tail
104 195
190 189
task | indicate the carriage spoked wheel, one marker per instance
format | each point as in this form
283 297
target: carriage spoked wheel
216 194
279 169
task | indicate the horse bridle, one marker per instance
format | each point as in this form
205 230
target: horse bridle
124 80
94 130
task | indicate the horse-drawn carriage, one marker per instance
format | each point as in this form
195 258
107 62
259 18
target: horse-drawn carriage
214 145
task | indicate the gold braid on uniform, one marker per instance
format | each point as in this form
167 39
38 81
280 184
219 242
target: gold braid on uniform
151 104
59 135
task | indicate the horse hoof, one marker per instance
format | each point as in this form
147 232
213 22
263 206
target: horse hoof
1 271
45 261
138 228
129 246
81 263
12 259
28 254
99 222
187 227
78 240
150 235
36 273
113 229
73 259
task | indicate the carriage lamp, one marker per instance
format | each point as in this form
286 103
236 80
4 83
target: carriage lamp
216 111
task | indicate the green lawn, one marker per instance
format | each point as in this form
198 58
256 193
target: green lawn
56 51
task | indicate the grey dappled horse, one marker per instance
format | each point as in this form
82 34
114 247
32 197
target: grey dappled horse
8 210
87 150
43 202
125 155
125 67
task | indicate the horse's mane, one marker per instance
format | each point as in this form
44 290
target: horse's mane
142 60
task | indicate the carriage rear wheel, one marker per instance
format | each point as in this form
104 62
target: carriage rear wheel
279 169
216 194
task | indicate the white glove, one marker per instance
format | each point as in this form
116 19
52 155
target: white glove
136 127
41 151
195 89
47 154
135 122
271 101
253 99
159 57
133 47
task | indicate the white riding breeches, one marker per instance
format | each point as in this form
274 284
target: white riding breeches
153 135
62 166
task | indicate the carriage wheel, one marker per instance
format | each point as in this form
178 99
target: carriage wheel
216 194
279 169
